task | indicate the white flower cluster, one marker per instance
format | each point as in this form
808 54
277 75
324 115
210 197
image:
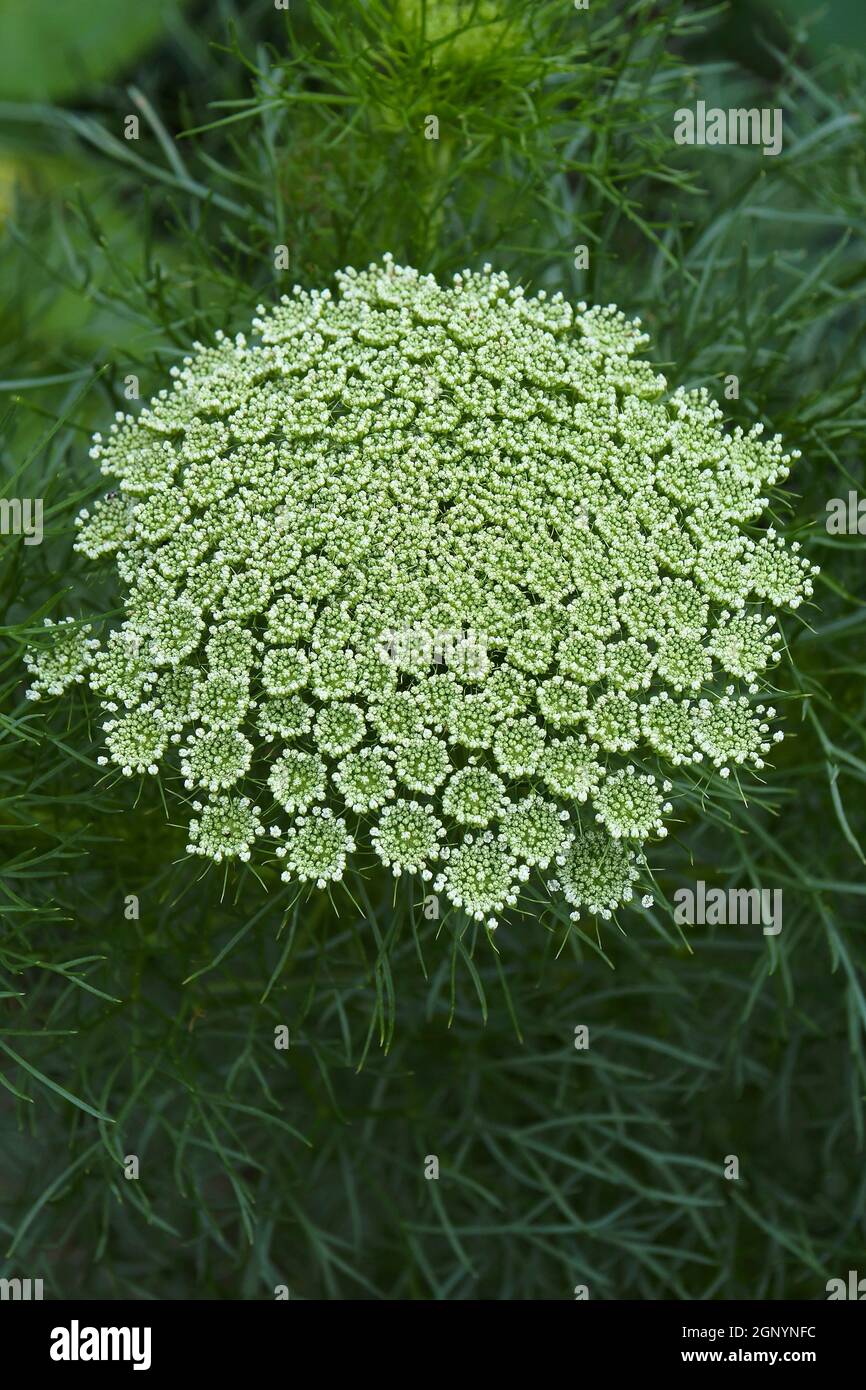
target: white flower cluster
406 458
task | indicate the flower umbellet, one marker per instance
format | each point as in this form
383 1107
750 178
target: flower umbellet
446 576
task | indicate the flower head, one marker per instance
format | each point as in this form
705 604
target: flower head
454 543
316 848
407 836
481 877
62 663
225 828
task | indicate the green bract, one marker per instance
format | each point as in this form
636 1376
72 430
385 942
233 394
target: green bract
447 562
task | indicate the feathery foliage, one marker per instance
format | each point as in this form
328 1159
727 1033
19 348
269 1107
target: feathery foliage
140 996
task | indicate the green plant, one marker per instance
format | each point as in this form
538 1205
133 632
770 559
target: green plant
141 998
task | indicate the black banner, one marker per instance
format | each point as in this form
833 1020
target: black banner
151 1338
